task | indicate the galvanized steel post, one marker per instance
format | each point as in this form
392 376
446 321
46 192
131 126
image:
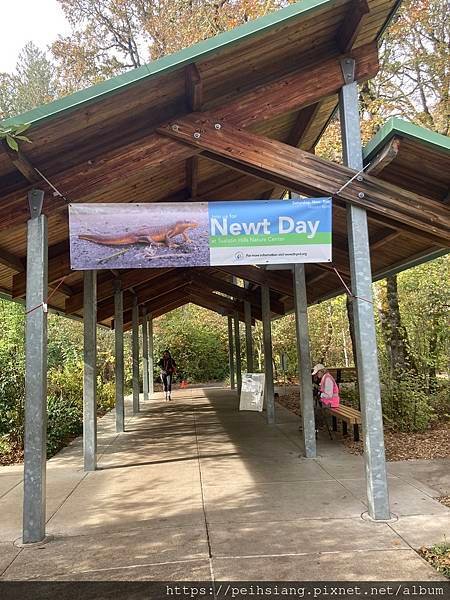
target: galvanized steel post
135 354
150 354
361 278
35 373
237 341
231 352
268 365
304 361
119 360
90 371
145 352
248 335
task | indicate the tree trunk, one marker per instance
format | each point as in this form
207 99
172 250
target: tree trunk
394 334
351 326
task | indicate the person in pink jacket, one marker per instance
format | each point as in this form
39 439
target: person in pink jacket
329 390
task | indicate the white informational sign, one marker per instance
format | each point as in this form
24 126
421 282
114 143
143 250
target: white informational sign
252 392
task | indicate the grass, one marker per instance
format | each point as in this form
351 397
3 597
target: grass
438 556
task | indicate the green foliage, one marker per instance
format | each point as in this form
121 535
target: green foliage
406 403
197 340
13 135
65 378
32 84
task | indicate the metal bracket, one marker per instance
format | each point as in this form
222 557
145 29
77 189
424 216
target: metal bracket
348 69
35 202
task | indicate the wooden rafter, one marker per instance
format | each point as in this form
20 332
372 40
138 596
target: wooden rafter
275 281
385 157
21 162
209 282
7 259
194 88
288 93
302 172
300 130
192 177
105 289
352 24
147 292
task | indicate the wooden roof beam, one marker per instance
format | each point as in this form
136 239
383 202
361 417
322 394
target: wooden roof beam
145 293
302 125
303 172
275 281
286 94
154 305
13 262
194 88
192 177
105 288
162 310
220 304
237 292
385 157
21 162
352 24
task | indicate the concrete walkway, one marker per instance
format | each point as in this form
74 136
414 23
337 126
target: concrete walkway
194 490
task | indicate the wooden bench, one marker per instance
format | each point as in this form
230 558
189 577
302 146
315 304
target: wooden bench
347 415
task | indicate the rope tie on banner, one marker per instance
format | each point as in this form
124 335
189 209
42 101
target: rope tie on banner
348 290
45 304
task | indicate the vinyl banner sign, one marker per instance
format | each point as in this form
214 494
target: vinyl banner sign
251 232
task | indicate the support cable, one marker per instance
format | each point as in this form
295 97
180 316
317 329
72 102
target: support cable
45 304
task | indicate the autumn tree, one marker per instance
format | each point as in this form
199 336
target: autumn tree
31 84
111 36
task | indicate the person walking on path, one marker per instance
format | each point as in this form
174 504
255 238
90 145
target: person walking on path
168 369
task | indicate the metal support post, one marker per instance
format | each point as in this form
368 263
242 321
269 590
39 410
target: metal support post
231 352
119 360
237 340
268 365
150 354
363 313
35 373
145 352
248 335
304 361
90 371
135 354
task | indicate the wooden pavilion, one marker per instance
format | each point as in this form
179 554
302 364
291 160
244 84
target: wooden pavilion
235 117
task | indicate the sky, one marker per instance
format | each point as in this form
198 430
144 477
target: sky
39 21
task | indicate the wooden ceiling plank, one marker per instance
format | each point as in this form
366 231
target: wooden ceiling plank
301 171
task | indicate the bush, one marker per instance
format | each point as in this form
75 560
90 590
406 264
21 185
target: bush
406 403
65 421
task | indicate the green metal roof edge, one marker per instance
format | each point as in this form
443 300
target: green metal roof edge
395 126
171 62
